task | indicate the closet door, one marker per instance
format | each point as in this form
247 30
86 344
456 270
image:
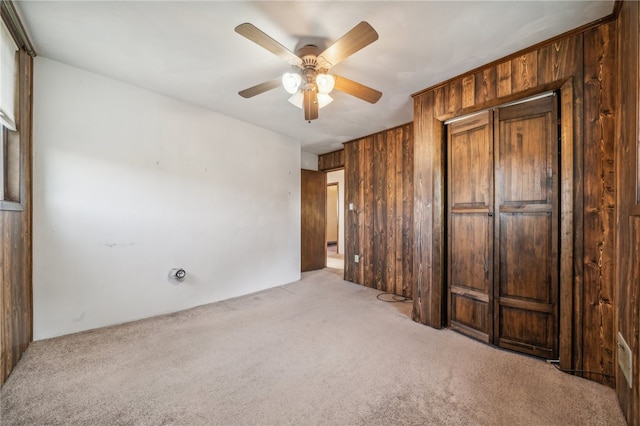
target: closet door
526 228
470 225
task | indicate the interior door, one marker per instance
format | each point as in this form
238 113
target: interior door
313 187
502 227
526 229
470 225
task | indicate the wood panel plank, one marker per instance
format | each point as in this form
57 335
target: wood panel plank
440 101
398 279
407 211
556 61
331 161
599 199
368 217
424 112
628 217
524 72
503 74
453 97
485 85
380 212
468 91
351 177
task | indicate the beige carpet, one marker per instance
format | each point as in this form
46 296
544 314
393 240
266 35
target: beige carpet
318 351
334 260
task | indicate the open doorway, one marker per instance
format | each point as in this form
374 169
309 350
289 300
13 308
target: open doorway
335 220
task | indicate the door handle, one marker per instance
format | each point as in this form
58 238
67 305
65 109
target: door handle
490 214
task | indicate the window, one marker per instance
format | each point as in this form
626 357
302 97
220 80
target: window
9 168
9 138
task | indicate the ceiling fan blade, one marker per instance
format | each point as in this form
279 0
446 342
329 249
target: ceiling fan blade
356 89
260 88
261 39
310 105
360 36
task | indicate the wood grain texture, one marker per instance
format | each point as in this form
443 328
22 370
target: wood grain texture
378 176
351 228
524 72
331 161
468 91
16 316
423 176
599 201
485 85
546 66
503 84
313 223
628 213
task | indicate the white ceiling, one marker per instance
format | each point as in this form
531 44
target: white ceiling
189 50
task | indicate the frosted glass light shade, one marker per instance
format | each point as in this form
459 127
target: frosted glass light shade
324 100
297 99
291 82
325 83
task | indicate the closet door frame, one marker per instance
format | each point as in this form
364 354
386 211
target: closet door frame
571 243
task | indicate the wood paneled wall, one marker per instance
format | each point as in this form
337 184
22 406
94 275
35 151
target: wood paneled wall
331 161
627 263
16 311
584 61
379 183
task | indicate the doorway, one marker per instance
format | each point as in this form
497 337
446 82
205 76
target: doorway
502 227
335 221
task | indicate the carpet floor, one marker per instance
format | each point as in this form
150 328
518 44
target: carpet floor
317 351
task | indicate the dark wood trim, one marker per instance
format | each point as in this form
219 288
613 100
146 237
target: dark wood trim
617 6
567 227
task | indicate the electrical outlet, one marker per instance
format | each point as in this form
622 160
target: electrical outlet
351 207
625 360
356 258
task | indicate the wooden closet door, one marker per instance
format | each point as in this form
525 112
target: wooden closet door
313 187
470 226
526 229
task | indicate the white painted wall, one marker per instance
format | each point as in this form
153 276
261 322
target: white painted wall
337 176
309 161
129 184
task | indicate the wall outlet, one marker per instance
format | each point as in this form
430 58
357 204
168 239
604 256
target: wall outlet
351 207
356 258
625 359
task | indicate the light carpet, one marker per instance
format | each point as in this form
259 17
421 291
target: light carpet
318 351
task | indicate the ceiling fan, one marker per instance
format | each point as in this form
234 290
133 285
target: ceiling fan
309 81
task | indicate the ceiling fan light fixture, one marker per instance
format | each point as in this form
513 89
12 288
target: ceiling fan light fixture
325 83
324 100
297 99
291 82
